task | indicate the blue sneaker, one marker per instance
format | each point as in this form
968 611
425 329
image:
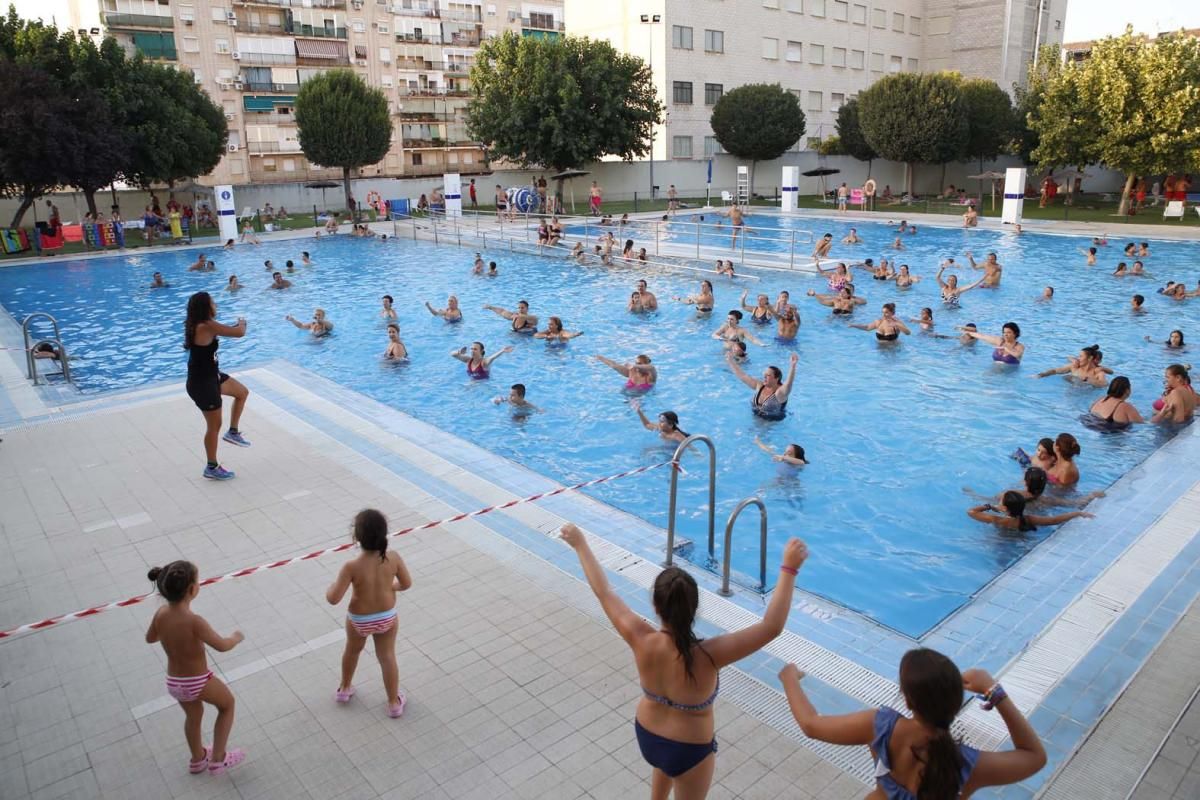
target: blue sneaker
218 473
235 437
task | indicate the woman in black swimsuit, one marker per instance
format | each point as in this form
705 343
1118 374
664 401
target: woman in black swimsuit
887 328
1114 411
206 383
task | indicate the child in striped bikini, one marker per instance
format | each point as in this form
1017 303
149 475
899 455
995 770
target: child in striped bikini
373 577
183 635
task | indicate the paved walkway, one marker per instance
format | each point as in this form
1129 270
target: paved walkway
514 692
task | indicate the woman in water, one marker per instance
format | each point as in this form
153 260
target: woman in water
925 320
1063 472
396 351
679 674
387 312
842 303
793 454
451 313
703 301
522 321
836 278
951 292
760 313
1178 401
478 364
726 269
1084 368
319 325
233 284
887 328
1114 409
770 397
1010 515
641 375
1174 341
1034 492
919 756
627 251
554 333
205 381
667 425
1008 349
732 331
789 324
904 279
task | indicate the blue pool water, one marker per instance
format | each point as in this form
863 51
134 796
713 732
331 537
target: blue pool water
893 433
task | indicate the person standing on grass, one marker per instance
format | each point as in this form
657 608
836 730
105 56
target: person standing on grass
471 194
205 381
919 757
679 673
373 578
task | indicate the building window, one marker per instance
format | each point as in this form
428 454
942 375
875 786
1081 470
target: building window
385 55
218 14
839 57
191 44
770 47
381 27
289 165
491 9
795 6
221 45
385 81
794 51
681 37
878 18
841 10
711 146
682 92
541 20
816 8
876 62
681 147
358 26
913 65
914 26
714 41
858 14
814 142
814 101
896 65
857 59
836 99
898 22
816 54
416 159
197 76
712 93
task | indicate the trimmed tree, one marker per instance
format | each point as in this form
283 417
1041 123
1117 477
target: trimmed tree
990 120
342 122
757 122
915 118
560 103
38 123
849 131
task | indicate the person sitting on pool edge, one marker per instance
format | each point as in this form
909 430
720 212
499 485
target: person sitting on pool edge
319 325
522 321
667 425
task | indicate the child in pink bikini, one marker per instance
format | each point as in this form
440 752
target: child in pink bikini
373 577
183 635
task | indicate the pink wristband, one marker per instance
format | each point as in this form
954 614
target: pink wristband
789 570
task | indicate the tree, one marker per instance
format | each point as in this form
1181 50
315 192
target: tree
38 122
1131 106
342 123
758 121
849 131
105 145
915 118
560 103
990 121
1028 98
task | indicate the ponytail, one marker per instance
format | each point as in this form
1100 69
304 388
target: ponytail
676 599
942 777
932 687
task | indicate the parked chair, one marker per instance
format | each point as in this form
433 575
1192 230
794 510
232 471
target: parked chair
726 198
1174 209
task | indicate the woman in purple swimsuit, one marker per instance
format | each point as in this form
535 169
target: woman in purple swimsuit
1008 349
919 757
478 365
679 673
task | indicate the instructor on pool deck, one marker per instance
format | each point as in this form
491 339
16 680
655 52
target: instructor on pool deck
206 383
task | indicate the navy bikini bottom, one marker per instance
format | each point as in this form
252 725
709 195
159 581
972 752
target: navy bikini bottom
672 757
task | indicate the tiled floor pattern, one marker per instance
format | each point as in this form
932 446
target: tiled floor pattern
514 694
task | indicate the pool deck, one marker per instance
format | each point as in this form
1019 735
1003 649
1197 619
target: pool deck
1094 633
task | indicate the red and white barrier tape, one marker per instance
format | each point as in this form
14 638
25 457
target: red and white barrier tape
242 573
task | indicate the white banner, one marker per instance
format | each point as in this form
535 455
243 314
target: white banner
1014 195
453 185
791 188
226 212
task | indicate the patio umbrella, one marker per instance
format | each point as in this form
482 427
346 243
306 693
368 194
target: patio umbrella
322 185
564 176
992 176
821 172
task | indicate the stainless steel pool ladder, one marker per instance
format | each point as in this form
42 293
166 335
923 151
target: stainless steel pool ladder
762 544
712 493
30 346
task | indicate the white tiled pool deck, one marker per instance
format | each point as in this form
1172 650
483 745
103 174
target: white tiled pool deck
519 687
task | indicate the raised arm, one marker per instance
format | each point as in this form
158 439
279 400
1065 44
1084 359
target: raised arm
741 373
436 312
235 331
296 322
986 513
761 446
938 277
731 647
783 391
742 301
646 423
627 623
461 354
971 286
621 368
985 337
971 260
487 362
504 312
857 727
1010 766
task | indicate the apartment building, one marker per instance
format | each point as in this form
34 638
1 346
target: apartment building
824 51
252 55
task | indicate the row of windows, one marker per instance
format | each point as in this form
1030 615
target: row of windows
839 56
681 39
681 146
681 93
713 91
845 11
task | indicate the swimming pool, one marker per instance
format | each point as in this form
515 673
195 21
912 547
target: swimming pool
893 433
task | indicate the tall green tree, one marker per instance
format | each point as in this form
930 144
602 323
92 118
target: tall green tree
915 118
36 118
758 122
1136 102
560 103
991 121
849 131
105 144
343 122
1027 99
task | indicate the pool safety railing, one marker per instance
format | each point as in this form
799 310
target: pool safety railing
31 346
762 544
712 493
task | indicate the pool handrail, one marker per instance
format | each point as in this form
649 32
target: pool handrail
30 346
752 500
712 493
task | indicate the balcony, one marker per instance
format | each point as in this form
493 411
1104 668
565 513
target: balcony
136 21
539 24
267 148
415 38
279 59
293 3
463 40
276 88
429 91
268 29
268 118
312 32
431 12
458 69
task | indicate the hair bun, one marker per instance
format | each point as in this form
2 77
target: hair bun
154 573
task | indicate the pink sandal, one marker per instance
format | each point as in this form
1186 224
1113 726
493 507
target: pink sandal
197 767
233 757
396 710
344 695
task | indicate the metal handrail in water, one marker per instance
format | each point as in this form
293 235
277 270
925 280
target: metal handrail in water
712 493
30 360
762 546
